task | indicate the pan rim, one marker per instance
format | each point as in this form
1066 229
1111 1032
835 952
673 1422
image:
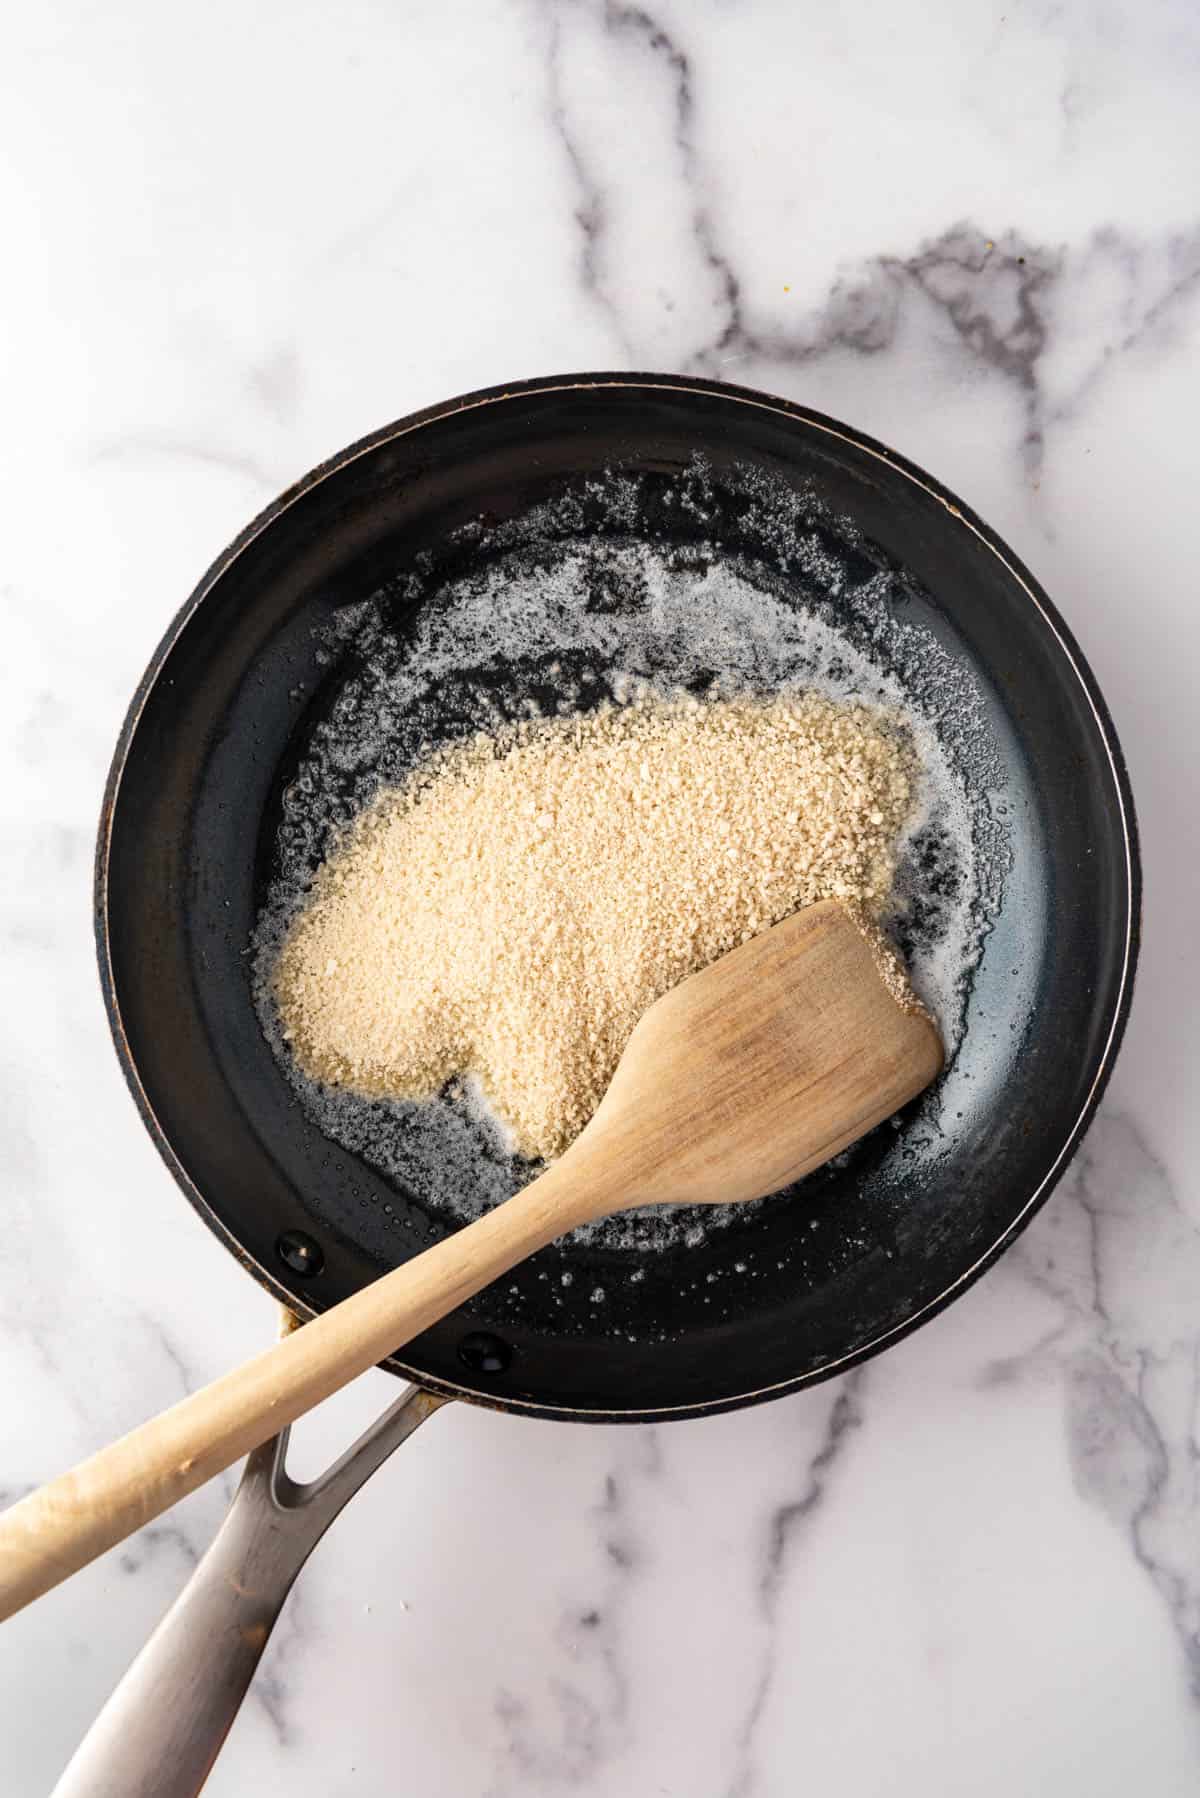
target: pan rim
960 514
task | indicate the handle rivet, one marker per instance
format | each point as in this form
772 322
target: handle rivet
300 1253
484 1353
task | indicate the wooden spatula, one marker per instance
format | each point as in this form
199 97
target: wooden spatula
734 1084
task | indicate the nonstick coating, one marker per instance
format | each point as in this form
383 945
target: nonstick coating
801 1289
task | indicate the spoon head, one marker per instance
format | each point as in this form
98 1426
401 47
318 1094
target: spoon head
764 1065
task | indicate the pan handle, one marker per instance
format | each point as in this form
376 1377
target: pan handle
163 1727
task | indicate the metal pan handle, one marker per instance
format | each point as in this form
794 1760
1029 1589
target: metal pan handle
163 1727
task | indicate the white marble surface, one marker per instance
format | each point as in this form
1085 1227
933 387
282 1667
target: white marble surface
234 238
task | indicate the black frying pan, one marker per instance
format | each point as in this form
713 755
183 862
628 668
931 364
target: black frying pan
800 1289
182 862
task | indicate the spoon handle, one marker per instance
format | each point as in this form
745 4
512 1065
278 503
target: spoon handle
68 1522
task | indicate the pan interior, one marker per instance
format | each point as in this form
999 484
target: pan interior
541 618
389 562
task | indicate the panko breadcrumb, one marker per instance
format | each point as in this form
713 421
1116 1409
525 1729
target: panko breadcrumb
515 906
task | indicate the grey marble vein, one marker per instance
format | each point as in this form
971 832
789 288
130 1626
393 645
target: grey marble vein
136 453
637 32
1117 1251
785 1530
589 210
565 1737
1000 292
150 1543
1141 318
270 1690
651 38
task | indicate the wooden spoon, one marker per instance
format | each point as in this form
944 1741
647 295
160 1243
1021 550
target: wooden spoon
735 1083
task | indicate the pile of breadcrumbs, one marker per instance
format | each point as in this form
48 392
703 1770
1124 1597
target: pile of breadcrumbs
515 906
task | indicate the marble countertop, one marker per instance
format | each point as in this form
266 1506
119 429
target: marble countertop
237 238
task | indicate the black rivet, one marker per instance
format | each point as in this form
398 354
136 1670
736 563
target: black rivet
484 1353
300 1253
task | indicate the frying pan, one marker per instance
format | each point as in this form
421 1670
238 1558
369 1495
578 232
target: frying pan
803 1289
